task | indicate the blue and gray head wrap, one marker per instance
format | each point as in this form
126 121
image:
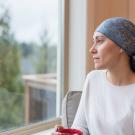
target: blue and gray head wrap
121 31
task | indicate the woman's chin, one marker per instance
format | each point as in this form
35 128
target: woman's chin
99 67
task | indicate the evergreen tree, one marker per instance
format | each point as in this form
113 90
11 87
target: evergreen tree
47 55
9 57
11 100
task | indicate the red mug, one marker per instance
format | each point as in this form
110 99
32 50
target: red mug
68 131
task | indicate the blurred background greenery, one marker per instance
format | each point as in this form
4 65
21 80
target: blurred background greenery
17 59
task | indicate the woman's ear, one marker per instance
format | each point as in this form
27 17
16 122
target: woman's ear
121 50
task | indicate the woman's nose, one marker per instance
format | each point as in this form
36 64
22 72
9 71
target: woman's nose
92 49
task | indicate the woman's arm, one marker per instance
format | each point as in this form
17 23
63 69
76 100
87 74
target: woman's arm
80 118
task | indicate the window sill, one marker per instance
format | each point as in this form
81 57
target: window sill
47 132
34 128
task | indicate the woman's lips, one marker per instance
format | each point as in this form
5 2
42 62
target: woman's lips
96 59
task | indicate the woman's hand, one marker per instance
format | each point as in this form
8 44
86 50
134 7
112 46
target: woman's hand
57 128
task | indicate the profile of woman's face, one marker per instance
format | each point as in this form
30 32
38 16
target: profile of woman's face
105 52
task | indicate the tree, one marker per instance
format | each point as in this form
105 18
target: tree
11 87
9 57
47 55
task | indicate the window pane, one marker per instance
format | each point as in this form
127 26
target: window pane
29 38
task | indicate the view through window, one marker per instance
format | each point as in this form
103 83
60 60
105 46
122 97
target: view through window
28 61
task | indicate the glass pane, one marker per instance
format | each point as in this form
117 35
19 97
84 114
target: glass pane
28 61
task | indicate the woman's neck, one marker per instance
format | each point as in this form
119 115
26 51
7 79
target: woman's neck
121 77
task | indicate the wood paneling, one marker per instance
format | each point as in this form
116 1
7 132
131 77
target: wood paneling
110 8
132 10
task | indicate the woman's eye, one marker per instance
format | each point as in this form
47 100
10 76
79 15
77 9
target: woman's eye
100 41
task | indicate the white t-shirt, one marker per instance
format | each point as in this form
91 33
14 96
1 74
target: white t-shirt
106 109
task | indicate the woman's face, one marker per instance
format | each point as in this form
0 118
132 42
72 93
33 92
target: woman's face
106 53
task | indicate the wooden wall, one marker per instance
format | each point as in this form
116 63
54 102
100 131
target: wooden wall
131 10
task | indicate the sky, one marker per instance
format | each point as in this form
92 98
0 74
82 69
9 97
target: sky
29 18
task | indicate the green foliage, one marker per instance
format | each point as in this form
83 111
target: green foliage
11 103
42 63
9 57
26 49
52 59
41 59
11 113
47 56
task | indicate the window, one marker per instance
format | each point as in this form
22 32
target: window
30 66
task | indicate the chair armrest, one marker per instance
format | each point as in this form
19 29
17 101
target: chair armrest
69 107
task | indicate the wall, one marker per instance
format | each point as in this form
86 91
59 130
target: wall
132 10
77 44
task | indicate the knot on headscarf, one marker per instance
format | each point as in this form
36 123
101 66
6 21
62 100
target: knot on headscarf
121 31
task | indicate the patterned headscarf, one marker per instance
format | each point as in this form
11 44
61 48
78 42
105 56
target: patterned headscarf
121 31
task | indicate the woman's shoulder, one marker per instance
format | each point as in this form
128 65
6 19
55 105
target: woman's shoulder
95 73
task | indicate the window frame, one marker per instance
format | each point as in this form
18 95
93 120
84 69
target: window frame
63 60
62 55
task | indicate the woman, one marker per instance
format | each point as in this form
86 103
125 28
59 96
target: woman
107 105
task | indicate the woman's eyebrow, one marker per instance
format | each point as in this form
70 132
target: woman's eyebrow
97 37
